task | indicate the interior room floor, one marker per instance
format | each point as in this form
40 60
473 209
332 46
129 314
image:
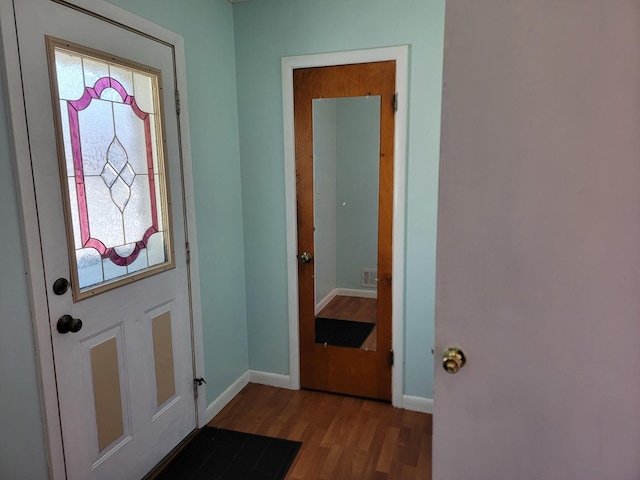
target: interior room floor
357 309
342 437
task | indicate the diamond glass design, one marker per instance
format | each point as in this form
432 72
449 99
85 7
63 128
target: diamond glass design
118 174
113 161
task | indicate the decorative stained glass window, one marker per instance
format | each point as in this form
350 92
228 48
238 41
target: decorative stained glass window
112 161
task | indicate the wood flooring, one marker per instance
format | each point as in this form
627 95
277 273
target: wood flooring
343 438
357 309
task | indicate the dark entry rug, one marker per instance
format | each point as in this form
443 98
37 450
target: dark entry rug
342 333
219 454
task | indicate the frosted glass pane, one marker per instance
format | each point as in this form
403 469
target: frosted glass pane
158 166
117 155
122 75
96 131
156 249
125 250
109 175
127 174
112 271
158 186
105 219
139 264
143 88
130 132
111 95
120 194
73 200
154 143
70 81
94 70
137 216
89 267
66 138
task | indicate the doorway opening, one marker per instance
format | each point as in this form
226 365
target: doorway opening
398 55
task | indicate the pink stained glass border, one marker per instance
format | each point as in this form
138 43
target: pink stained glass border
73 107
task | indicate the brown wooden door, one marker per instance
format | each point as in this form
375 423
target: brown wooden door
362 371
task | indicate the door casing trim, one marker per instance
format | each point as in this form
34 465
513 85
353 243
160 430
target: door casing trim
401 55
29 214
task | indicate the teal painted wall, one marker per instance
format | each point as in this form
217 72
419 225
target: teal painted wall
266 30
358 154
22 451
207 28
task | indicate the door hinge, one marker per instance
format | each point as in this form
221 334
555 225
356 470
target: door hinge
178 102
391 357
395 102
188 249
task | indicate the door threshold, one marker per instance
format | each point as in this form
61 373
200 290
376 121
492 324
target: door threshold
164 463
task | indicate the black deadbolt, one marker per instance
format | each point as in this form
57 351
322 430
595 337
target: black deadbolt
60 286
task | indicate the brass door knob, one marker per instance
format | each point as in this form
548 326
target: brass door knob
453 360
305 257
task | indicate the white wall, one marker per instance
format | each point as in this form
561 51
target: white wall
357 171
22 453
346 140
324 166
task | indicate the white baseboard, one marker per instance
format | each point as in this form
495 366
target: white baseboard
354 292
417 404
253 376
271 379
219 403
345 292
409 402
325 301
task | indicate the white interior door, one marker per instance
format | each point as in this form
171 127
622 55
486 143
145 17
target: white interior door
538 270
125 380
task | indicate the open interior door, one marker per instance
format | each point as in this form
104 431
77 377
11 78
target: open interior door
538 268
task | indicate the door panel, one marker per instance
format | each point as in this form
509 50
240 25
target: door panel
125 380
355 371
538 267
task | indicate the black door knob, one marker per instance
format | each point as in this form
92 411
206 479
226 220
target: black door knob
66 324
60 286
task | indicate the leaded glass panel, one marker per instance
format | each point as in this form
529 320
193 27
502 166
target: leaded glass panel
112 158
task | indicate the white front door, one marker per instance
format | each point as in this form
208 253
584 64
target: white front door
109 196
538 269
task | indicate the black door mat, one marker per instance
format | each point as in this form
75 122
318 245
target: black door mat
342 333
220 454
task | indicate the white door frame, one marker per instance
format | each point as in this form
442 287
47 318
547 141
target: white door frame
29 214
401 55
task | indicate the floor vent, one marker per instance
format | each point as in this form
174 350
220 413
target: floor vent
369 277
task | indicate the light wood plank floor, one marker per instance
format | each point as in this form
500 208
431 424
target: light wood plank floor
356 309
343 438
